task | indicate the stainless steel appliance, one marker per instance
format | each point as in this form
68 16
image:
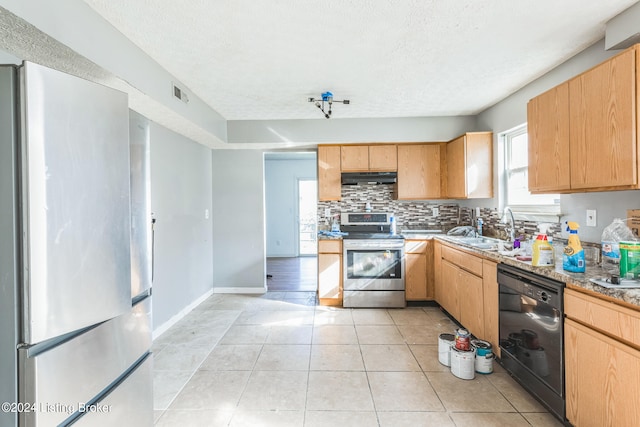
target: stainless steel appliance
373 261
75 331
531 334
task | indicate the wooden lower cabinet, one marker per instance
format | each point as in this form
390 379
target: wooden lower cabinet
470 301
602 361
466 286
447 292
418 270
330 272
491 304
602 379
415 277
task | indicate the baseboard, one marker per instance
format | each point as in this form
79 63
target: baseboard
176 318
239 290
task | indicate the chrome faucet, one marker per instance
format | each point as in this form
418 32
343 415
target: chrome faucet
512 228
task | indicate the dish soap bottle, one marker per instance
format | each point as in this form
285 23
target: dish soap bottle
542 251
573 256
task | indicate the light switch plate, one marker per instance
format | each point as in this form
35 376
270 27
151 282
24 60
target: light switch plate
435 212
591 218
327 212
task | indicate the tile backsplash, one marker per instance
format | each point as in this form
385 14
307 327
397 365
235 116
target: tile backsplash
419 214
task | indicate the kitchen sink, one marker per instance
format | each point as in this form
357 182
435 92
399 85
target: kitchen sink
480 242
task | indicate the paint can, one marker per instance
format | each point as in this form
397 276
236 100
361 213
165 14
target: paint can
463 363
484 356
445 341
462 339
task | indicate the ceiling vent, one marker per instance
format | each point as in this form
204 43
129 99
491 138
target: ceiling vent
179 93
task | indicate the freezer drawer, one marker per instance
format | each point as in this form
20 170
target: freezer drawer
129 404
75 196
80 369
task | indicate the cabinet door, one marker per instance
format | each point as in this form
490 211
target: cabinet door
479 161
383 158
355 158
329 186
602 379
491 304
419 172
448 296
416 276
437 270
470 302
456 167
603 125
548 133
330 279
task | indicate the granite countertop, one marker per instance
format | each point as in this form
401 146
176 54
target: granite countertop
581 280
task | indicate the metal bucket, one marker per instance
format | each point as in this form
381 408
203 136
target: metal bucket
445 341
463 363
484 356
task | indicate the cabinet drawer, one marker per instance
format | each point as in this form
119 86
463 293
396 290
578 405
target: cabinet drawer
415 246
330 246
463 260
616 321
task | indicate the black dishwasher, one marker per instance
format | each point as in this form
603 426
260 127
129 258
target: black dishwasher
532 334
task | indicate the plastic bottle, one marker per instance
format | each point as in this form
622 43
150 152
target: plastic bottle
573 256
611 237
479 226
392 225
542 251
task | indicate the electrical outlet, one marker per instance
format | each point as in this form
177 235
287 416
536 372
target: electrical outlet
327 212
477 212
435 212
591 218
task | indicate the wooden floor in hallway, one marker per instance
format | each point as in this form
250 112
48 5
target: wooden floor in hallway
292 274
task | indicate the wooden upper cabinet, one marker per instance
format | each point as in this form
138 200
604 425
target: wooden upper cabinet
456 166
364 158
355 158
469 160
419 175
548 129
583 133
329 184
383 158
603 125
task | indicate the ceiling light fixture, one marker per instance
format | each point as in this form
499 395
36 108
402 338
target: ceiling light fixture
328 98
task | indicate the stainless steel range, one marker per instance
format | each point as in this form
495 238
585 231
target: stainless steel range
373 261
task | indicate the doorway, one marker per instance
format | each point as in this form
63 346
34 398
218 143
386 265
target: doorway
307 217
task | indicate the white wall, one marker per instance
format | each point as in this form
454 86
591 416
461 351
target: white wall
238 221
512 112
75 24
281 200
336 130
180 194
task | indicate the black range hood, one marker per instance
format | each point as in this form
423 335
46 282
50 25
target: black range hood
355 178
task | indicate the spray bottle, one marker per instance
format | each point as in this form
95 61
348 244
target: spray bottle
542 250
573 256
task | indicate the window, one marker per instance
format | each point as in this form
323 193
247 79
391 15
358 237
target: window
515 187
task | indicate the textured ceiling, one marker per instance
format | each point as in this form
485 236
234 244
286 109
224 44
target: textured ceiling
262 59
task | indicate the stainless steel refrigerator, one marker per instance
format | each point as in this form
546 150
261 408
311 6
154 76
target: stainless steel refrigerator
75 273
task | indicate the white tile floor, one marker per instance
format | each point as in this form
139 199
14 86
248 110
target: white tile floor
279 360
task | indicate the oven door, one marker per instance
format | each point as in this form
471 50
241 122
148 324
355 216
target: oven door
374 265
